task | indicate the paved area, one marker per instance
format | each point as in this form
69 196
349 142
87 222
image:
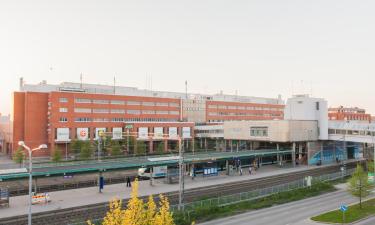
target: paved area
294 213
85 196
7 163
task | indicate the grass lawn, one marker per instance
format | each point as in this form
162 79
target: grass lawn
202 214
353 214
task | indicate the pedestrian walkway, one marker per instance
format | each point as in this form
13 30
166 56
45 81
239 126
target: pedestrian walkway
86 196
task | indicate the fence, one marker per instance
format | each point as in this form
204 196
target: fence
260 193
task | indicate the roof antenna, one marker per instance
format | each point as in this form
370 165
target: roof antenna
186 89
81 79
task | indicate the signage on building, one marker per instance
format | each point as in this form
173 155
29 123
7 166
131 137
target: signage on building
172 132
82 134
143 132
98 131
129 126
117 133
186 132
158 132
62 134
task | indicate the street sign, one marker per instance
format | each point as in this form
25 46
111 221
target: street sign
343 208
129 126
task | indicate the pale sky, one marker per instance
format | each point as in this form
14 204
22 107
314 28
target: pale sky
260 48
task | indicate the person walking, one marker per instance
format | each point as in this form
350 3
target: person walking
250 170
128 182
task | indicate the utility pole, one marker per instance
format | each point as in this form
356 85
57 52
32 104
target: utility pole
181 175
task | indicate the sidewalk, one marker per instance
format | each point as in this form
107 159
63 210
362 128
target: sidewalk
86 196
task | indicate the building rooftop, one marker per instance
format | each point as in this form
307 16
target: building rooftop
133 91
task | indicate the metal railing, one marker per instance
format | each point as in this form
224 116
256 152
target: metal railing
260 193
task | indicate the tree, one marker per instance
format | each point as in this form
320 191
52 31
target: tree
370 166
116 148
141 148
76 145
19 156
160 148
164 216
56 155
359 185
150 211
134 213
86 150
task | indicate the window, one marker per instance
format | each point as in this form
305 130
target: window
82 100
212 106
317 106
82 119
82 110
100 120
133 103
250 108
241 107
162 104
222 107
63 110
117 120
148 103
173 104
100 110
259 131
122 111
63 100
134 112
148 112
232 107
63 120
162 112
117 102
100 101
173 112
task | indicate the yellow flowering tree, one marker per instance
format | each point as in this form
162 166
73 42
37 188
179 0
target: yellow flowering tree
137 212
164 216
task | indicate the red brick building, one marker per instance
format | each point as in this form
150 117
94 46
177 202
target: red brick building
351 114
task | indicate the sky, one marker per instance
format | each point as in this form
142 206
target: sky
255 47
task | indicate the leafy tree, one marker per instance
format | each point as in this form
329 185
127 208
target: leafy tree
86 150
116 148
76 145
160 148
359 185
141 148
19 156
56 155
370 166
164 216
134 213
150 211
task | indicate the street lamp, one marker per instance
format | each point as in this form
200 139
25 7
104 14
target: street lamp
30 151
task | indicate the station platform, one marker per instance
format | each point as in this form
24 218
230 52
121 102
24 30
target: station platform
87 196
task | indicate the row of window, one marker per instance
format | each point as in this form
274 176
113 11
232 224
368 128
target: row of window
121 111
243 107
115 120
243 114
120 102
259 131
351 132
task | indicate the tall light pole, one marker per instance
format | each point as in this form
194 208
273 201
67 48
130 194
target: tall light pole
30 151
181 173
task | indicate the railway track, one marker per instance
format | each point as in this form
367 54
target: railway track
83 213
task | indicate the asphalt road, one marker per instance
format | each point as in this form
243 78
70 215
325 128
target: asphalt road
294 213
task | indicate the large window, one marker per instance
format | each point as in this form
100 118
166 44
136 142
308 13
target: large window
82 119
82 110
162 104
63 120
63 110
121 111
136 112
63 100
173 104
100 101
259 131
133 103
82 100
117 102
148 104
100 110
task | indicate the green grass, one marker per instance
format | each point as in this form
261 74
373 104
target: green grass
202 214
353 214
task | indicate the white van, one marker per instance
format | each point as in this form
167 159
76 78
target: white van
158 171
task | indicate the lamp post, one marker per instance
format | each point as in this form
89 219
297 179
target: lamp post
181 173
30 151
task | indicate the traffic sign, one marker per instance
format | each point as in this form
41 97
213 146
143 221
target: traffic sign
343 208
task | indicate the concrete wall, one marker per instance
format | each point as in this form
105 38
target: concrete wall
278 130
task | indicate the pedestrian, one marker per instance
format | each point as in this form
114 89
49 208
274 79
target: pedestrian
250 170
240 171
128 182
